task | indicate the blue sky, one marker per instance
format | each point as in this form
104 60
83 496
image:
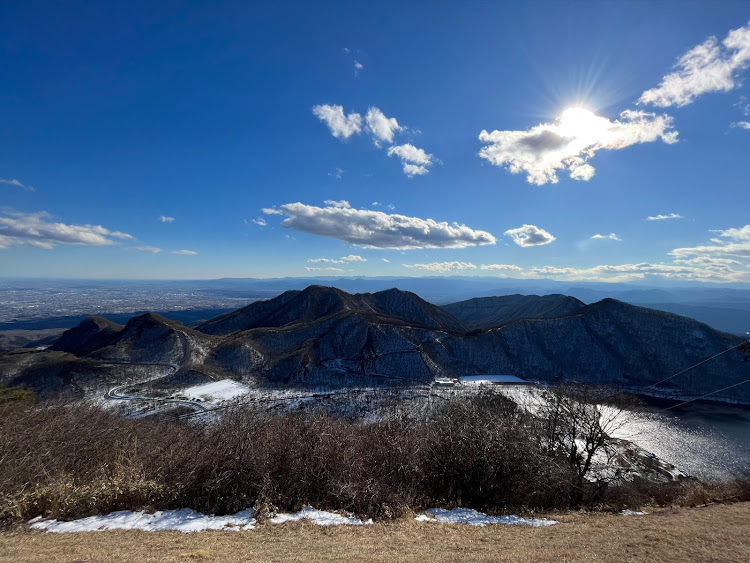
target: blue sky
562 140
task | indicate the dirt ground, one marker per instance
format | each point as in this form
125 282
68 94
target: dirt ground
719 532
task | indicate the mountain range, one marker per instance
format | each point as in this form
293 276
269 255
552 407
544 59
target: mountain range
325 336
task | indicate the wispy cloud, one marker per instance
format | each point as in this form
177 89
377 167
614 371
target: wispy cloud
415 161
529 235
342 260
729 242
185 252
500 267
708 67
337 173
260 221
358 67
36 229
342 126
610 236
664 217
151 249
442 266
568 143
378 229
16 183
741 124
271 211
338 203
330 269
166 219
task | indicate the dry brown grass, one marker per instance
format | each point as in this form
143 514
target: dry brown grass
710 533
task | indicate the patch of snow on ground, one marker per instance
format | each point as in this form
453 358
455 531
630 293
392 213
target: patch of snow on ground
319 517
216 391
628 512
475 518
182 520
483 379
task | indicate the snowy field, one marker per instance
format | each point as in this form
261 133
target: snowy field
215 392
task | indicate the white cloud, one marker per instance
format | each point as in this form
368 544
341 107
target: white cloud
309 269
151 249
663 217
610 236
16 183
358 66
381 127
529 235
708 67
378 229
415 161
260 221
35 229
165 219
442 266
495 267
341 126
185 252
337 173
338 203
271 211
731 242
386 260
569 142
353 258
741 124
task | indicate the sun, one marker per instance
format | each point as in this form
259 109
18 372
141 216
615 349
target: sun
581 123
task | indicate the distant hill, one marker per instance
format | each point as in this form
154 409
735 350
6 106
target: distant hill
487 312
317 302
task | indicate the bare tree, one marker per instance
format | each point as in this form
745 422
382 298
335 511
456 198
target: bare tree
578 422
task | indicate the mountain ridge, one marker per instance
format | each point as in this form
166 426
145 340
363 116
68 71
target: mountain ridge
323 336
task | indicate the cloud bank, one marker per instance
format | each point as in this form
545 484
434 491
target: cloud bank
442 267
